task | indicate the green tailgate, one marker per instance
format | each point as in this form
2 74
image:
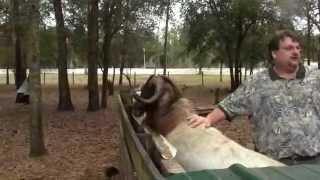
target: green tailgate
239 172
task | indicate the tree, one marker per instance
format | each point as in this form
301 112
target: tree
112 22
134 46
153 49
76 24
64 89
137 16
311 9
17 35
37 147
166 38
125 35
4 11
48 47
93 55
5 36
293 11
225 25
309 33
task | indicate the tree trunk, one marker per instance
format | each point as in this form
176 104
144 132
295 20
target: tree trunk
106 51
309 27
20 65
93 55
113 79
7 75
251 69
37 147
319 37
240 74
166 39
245 72
318 54
231 69
112 10
221 68
124 48
200 70
107 28
104 91
121 71
237 61
236 74
20 70
232 79
64 89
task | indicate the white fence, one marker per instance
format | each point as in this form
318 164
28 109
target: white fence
141 71
149 71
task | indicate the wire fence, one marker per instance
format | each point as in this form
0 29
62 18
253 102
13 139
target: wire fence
202 79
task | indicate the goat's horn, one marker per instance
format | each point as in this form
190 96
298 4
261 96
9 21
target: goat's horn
158 91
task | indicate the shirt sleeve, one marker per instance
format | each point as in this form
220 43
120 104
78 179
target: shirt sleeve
238 102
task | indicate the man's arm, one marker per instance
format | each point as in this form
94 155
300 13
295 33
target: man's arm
216 115
236 103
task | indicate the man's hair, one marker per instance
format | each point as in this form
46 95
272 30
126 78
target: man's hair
277 37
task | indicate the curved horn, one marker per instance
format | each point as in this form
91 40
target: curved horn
158 91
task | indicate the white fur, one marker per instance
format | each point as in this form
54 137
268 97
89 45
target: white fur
207 148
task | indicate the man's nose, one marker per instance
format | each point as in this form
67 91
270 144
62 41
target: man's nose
296 51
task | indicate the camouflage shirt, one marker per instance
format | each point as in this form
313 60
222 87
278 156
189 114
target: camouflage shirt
285 113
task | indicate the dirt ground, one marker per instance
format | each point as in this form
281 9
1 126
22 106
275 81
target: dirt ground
80 145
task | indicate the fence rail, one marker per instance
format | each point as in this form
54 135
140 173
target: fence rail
142 71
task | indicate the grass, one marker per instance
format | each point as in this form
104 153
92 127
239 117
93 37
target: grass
81 79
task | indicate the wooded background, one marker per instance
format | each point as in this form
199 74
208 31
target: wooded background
101 34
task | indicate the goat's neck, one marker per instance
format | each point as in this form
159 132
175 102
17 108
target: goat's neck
178 113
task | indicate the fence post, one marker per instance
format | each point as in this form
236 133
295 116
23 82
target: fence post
44 78
217 96
202 78
8 82
73 78
134 79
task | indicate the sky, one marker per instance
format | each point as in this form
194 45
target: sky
174 21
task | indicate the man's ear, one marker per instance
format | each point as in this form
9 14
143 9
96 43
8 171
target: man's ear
274 55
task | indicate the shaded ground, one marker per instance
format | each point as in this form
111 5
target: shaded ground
80 145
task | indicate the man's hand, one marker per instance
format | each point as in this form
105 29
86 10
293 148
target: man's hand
216 115
196 120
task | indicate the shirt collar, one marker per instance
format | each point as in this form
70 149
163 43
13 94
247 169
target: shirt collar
300 74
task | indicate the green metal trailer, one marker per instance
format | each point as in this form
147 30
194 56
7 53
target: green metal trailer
140 160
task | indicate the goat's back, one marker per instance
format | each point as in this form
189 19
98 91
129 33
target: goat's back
207 148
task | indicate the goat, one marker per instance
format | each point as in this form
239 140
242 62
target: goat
165 111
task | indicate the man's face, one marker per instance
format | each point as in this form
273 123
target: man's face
287 57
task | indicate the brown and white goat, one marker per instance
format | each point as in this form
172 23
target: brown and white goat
164 111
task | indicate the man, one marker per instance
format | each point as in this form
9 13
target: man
283 103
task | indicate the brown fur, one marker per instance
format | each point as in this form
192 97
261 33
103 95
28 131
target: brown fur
160 108
179 111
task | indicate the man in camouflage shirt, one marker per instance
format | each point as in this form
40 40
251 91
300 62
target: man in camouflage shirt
283 103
